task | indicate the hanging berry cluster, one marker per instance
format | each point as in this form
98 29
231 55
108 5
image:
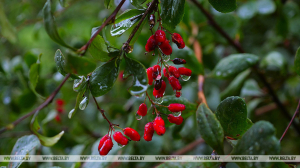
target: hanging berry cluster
159 42
59 108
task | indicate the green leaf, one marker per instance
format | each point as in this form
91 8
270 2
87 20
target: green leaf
236 85
247 10
223 6
126 20
7 30
23 146
266 6
171 13
104 77
79 84
274 62
297 61
34 72
79 98
45 141
99 50
30 58
234 64
60 62
140 79
137 3
107 3
251 88
189 55
210 128
27 99
232 114
260 139
79 65
50 25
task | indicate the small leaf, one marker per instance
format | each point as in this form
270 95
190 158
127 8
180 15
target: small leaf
34 72
260 139
171 13
79 65
274 62
104 77
189 55
232 114
137 3
297 62
23 146
50 25
78 100
126 20
251 88
45 141
60 62
79 83
266 6
210 128
236 85
7 30
223 6
140 79
234 64
247 10
107 3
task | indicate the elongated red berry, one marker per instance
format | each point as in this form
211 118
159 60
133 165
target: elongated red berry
160 93
151 44
173 71
176 107
184 71
177 39
166 47
132 134
166 74
156 71
178 61
159 125
102 140
174 83
60 109
120 138
175 120
142 111
149 131
106 147
57 118
60 102
160 36
149 74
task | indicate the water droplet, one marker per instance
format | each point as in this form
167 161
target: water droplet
185 78
138 117
166 58
71 113
177 114
121 146
158 100
84 102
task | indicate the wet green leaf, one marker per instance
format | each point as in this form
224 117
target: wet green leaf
236 85
297 62
60 62
30 58
138 72
234 64
23 146
189 55
50 25
45 141
247 10
78 100
251 88
34 72
260 139
274 62
104 77
7 29
171 13
210 128
232 114
79 65
126 20
79 84
266 6
107 3
137 3
224 6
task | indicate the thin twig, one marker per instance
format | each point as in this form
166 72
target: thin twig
189 147
40 107
254 69
267 108
102 112
294 116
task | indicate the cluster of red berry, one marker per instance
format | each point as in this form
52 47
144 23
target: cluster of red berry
59 108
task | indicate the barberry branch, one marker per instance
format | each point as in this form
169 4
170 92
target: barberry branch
294 116
111 18
102 112
261 76
40 107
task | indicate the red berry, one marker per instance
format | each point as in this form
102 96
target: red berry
149 131
174 83
166 47
120 138
157 84
151 44
173 71
160 36
132 134
102 140
159 125
160 93
176 107
60 109
107 146
175 120
57 118
142 111
121 75
184 71
60 102
178 61
156 71
149 74
166 74
178 93
177 39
